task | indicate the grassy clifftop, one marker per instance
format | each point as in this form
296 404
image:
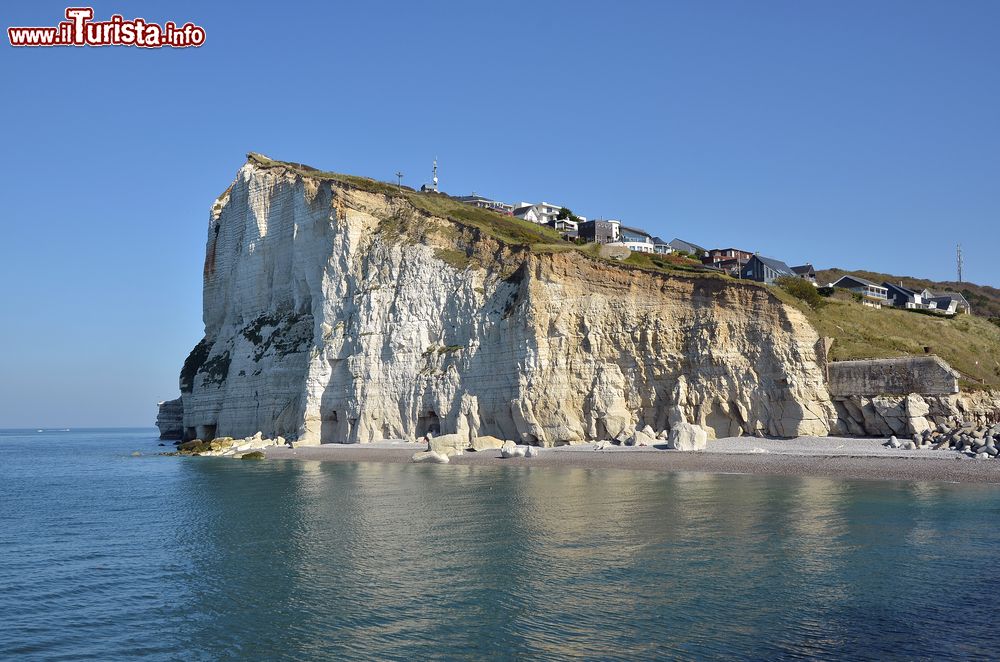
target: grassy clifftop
970 344
507 229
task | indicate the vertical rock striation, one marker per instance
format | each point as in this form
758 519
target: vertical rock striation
338 314
170 419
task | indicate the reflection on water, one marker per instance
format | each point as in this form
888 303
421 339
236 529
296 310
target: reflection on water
303 560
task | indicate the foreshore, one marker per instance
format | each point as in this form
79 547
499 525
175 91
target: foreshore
831 457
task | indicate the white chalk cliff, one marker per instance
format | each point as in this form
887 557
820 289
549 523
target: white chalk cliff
336 312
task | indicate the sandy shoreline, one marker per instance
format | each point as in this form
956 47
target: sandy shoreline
832 457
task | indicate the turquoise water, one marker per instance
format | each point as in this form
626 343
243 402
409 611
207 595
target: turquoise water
108 556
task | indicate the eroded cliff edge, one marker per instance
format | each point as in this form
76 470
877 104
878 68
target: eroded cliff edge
338 313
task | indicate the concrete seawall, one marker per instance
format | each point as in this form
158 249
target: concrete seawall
923 375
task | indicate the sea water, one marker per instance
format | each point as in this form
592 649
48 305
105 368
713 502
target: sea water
107 555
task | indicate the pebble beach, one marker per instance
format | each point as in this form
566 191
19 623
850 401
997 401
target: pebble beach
832 457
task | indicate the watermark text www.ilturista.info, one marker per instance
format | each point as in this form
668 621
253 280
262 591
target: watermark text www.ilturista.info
79 29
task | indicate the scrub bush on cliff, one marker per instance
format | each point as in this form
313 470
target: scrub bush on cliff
802 289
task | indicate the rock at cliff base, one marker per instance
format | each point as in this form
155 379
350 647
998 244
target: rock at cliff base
687 437
170 419
508 450
253 455
442 443
531 451
642 438
487 443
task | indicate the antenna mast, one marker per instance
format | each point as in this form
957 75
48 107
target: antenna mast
399 180
435 180
958 254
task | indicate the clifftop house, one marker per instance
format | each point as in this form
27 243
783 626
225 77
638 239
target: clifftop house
872 294
729 260
682 246
765 269
805 271
962 304
904 297
487 203
542 212
661 247
600 231
636 240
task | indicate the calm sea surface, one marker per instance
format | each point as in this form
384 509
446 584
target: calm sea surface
107 556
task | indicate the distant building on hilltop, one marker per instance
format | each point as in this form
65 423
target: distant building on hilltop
433 187
806 272
541 212
730 260
636 240
962 304
661 247
904 297
600 231
872 294
765 269
487 203
682 246
569 229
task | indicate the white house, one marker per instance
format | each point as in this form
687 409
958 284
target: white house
487 203
662 247
872 294
541 212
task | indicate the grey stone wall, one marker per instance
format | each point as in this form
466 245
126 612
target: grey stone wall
923 375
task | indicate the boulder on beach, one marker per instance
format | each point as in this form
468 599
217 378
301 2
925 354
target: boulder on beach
487 443
443 442
642 438
510 449
687 437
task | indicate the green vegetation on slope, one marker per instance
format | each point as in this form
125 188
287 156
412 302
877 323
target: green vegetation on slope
504 228
507 229
970 344
985 300
803 290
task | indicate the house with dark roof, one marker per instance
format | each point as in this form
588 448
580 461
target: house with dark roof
904 297
687 247
486 203
600 231
636 239
729 260
662 247
946 298
805 271
765 269
872 294
568 229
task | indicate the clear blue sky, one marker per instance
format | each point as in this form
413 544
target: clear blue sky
851 134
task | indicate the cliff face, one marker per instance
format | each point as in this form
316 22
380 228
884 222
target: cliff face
336 314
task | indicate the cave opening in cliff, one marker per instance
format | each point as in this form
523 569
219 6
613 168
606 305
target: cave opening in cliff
428 422
328 433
